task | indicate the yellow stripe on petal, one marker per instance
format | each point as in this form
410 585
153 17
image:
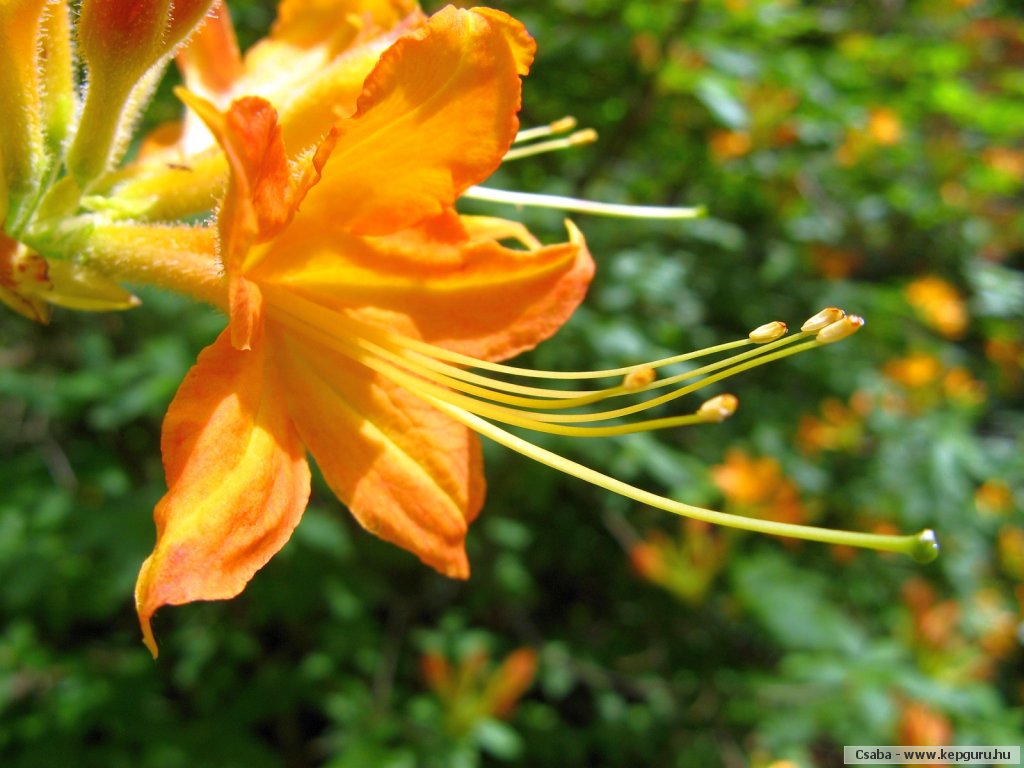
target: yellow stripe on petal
238 483
408 473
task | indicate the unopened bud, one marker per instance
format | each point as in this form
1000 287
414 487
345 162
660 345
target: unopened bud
824 318
719 408
848 326
768 332
639 377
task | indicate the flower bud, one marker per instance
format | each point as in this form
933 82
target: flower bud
123 43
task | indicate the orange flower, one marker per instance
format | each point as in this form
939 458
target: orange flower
473 690
884 126
840 427
685 565
510 681
315 297
934 621
922 726
728 145
939 305
914 371
835 263
745 480
758 488
993 498
1011 551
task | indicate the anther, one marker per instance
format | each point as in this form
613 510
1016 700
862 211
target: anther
840 329
768 332
562 125
824 318
586 136
638 377
719 407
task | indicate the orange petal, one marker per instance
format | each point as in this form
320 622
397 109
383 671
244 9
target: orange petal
523 46
238 483
313 65
408 473
436 116
310 23
211 63
431 282
211 66
260 201
24 278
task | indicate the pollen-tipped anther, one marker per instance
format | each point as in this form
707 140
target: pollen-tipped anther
826 317
586 136
840 329
555 127
768 332
719 408
563 124
638 377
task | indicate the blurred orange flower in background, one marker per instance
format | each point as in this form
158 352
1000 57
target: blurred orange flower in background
474 689
758 487
840 427
922 726
884 126
939 305
685 565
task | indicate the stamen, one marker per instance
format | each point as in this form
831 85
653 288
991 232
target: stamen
562 125
367 340
395 340
922 546
453 394
586 136
560 203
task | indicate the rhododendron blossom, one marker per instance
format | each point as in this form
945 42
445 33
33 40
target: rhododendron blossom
367 318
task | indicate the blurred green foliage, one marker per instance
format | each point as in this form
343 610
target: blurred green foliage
866 155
